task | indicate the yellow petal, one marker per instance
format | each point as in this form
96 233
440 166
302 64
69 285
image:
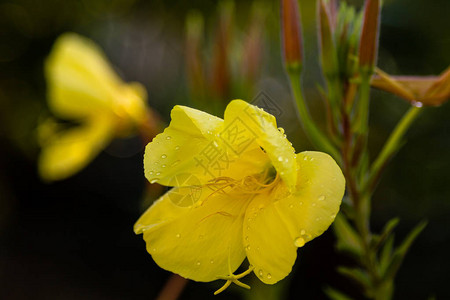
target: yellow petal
262 128
201 242
81 82
66 153
191 151
275 225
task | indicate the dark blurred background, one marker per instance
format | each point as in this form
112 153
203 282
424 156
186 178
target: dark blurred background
74 240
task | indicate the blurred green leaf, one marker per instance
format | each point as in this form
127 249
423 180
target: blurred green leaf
400 252
358 275
387 230
348 239
335 294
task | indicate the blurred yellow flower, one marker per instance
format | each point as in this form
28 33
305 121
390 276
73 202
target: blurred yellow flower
239 190
83 88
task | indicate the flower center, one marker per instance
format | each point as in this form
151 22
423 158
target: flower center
253 184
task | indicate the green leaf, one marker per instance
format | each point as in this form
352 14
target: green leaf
348 239
400 252
336 295
386 254
387 230
358 275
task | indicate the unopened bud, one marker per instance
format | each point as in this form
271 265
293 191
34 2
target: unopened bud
369 35
291 34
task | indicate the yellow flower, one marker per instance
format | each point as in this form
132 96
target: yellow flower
83 88
239 191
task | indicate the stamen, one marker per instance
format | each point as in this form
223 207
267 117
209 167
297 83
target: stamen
234 279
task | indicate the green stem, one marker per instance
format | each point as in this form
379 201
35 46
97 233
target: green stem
316 136
362 115
391 145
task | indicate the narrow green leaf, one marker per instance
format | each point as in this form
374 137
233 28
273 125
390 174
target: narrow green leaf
348 239
358 275
400 252
386 254
335 294
387 230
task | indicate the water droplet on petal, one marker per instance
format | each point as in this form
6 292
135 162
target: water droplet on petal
260 273
333 216
291 205
305 158
269 276
248 247
153 249
151 172
300 203
198 263
154 180
303 232
177 148
178 235
246 238
163 166
163 156
168 138
314 204
299 242
211 261
281 129
158 173
321 198
280 158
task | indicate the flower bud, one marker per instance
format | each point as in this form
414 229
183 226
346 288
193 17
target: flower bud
291 34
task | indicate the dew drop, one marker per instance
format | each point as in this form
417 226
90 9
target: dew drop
198 263
318 219
299 242
175 162
321 198
269 276
177 148
300 203
151 172
246 238
303 232
168 137
158 173
291 205
163 166
178 235
163 156
311 159
417 103
314 204
333 216
215 144
281 129
260 273
154 180
280 158
305 158
211 261
154 249
248 247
